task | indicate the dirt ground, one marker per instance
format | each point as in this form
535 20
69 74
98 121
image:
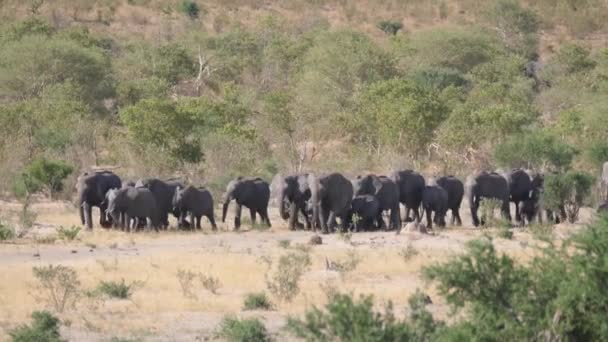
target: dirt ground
389 268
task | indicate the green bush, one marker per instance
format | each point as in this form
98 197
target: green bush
48 173
44 328
535 149
568 192
6 232
68 234
285 282
257 301
574 58
390 27
59 286
243 330
345 319
114 289
190 8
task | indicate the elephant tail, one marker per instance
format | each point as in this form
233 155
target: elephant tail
225 209
469 189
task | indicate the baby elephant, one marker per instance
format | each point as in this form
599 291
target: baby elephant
435 199
367 210
196 202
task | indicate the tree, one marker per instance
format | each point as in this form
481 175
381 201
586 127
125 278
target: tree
567 191
517 26
398 113
48 174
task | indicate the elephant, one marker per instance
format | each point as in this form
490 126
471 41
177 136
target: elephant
367 209
488 185
520 190
330 197
435 200
163 192
387 193
92 188
455 190
254 193
133 203
293 192
196 202
411 184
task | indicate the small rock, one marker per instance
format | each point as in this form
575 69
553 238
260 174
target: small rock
315 240
73 251
36 255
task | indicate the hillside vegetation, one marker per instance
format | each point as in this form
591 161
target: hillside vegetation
210 90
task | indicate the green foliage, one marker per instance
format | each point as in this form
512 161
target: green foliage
190 8
598 153
574 58
398 113
535 149
6 232
30 26
567 190
68 233
48 173
243 330
114 289
518 25
44 328
59 286
345 319
390 27
285 282
257 301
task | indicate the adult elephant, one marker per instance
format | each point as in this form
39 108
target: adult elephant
455 190
387 193
196 202
92 188
163 193
435 204
254 193
293 193
489 185
520 190
410 184
330 197
133 203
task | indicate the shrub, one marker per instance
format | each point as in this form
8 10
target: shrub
59 286
190 8
68 234
210 283
284 243
243 330
186 282
44 328
574 58
257 301
48 173
390 27
6 232
408 252
347 320
114 289
567 192
284 283
505 233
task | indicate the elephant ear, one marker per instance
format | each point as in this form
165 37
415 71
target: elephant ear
278 183
303 184
377 184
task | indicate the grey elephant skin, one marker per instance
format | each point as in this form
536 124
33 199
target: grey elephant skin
196 202
331 196
133 204
525 190
367 210
253 193
92 188
488 185
455 190
294 193
386 192
163 193
411 184
435 205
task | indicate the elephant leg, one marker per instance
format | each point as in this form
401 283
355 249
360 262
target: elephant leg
193 225
381 223
395 218
407 213
506 211
88 215
331 222
181 219
474 208
293 216
212 221
429 220
81 212
253 216
456 213
198 222
322 219
237 217
306 218
518 217
264 213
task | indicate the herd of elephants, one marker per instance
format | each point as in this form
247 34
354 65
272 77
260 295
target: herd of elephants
322 200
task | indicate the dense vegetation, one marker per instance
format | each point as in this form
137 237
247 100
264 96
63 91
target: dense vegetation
558 296
213 93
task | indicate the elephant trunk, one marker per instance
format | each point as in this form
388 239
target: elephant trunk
282 207
225 208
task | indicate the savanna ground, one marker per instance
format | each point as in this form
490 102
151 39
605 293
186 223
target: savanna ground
385 265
